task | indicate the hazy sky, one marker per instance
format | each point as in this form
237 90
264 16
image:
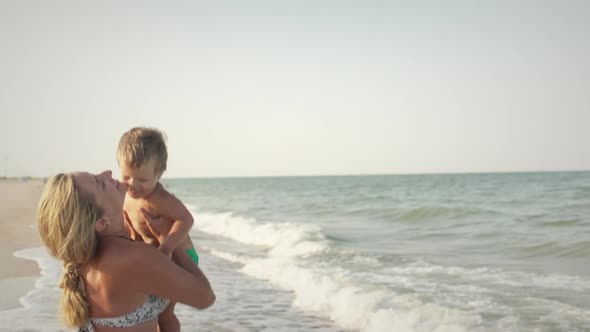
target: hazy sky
247 88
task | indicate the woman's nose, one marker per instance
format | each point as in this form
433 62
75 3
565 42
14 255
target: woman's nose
106 174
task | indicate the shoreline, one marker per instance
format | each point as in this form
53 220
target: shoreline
18 202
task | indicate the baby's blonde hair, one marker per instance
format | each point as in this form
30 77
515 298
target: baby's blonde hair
65 218
141 145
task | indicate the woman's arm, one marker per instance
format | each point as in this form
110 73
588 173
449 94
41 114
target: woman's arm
183 259
156 274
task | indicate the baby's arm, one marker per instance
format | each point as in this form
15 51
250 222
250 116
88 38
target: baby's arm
170 207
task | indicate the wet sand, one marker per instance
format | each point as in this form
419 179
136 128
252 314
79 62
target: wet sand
18 202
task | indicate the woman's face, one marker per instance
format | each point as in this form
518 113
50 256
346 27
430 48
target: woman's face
108 193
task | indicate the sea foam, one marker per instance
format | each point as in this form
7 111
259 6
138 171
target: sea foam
40 305
328 290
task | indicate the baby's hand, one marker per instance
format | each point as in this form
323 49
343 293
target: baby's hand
159 228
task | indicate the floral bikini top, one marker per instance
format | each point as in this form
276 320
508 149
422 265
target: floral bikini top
151 309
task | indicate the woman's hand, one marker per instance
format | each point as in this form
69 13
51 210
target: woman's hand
129 226
158 226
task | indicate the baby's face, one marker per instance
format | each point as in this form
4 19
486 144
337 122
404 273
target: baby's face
141 180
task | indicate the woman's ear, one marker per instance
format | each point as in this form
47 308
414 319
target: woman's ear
102 224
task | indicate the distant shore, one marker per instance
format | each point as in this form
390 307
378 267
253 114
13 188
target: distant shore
18 201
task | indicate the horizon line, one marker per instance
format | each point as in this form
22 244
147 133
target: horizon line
372 174
20 177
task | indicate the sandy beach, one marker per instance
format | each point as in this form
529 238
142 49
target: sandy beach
17 231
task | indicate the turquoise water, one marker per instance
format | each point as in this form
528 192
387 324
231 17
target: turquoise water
415 253
458 252
534 221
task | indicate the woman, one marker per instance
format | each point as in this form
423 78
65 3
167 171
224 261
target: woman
110 283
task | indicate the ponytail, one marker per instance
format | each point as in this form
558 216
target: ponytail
74 306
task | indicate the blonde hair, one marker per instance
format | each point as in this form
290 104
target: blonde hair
141 145
65 218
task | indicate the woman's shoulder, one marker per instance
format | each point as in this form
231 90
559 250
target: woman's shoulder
132 265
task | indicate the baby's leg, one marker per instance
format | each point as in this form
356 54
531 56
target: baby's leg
186 247
167 322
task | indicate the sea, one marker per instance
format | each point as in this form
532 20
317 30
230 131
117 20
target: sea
403 253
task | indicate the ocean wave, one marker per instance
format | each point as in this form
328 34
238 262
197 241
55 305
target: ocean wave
561 223
576 250
330 293
579 249
282 239
427 212
582 189
326 285
495 276
393 292
415 213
